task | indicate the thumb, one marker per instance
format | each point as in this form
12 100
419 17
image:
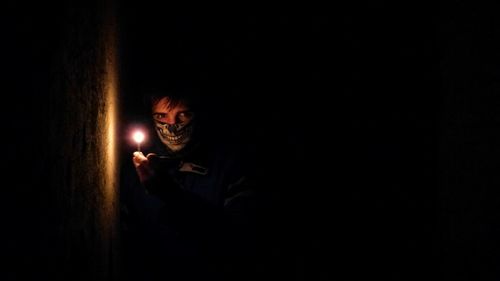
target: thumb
138 158
138 154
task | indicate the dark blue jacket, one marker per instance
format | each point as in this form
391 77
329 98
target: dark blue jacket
196 220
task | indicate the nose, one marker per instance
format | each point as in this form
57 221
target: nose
170 120
171 128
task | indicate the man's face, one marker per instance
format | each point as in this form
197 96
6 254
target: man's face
174 124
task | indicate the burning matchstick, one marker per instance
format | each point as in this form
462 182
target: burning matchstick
138 138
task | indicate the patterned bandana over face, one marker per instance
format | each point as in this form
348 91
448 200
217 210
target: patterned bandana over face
174 124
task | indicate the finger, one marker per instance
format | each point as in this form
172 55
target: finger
151 155
153 160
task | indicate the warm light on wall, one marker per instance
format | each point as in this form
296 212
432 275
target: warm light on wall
110 155
111 117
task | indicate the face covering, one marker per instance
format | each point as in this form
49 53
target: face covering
175 136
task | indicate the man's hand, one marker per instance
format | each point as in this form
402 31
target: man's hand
145 166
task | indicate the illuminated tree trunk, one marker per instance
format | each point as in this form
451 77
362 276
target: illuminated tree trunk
83 168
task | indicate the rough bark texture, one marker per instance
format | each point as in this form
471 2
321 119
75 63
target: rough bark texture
82 166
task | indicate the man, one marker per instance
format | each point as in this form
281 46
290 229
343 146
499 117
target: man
190 211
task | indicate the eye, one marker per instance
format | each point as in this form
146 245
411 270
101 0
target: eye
159 116
185 116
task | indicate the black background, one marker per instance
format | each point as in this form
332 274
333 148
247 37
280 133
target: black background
383 116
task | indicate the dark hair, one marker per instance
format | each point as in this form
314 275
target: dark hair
177 92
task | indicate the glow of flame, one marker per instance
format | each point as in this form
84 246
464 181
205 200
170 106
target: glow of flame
138 136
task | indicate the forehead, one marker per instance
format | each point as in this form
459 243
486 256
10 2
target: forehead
165 105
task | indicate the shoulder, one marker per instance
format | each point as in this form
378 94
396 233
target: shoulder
232 159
